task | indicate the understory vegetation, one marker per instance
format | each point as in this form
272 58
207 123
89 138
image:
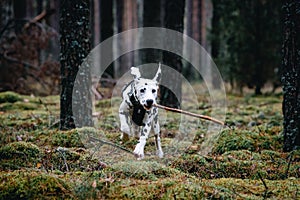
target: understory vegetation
37 160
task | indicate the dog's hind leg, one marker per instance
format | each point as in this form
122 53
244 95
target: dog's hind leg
124 120
156 128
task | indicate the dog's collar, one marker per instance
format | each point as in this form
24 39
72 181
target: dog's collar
139 111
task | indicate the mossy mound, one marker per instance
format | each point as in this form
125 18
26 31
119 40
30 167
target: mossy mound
143 170
10 97
19 154
162 189
10 101
255 189
241 164
32 185
70 160
111 186
66 138
18 106
252 140
241 155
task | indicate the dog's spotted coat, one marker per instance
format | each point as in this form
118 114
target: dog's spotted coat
137 115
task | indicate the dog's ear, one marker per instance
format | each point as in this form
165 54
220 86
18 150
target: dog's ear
157 76
135 72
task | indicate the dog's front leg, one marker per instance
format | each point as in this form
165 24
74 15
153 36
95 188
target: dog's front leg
139 148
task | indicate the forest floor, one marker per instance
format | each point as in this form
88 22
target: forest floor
39 161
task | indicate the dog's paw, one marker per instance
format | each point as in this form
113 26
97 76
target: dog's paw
139 150
160 154
124 137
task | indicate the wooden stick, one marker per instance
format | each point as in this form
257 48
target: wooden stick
190 114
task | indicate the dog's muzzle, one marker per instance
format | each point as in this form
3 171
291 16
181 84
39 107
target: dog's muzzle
149 103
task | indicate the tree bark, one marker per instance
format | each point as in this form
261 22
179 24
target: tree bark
291 75
151 18
118 8
75 46
173 19
6 7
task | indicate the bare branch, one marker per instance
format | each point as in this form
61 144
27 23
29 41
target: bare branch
111 144
205 117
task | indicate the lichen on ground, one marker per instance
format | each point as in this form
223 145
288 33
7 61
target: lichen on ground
39 161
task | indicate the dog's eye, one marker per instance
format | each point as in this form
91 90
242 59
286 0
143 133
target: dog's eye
142 90
153 91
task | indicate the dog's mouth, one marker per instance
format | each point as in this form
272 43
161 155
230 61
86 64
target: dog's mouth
147 107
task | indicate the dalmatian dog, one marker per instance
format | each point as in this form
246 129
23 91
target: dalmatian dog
137 113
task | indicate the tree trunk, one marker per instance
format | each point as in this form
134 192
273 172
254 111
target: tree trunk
106 21
173 19
129 21
75 46
20 15
151 18
6 15
215 42
258 64
290 75
118 7
20 9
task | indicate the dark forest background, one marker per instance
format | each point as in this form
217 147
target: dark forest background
243 37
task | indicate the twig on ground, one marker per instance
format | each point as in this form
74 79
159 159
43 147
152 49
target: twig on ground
263 181
62 152
112 144
289 164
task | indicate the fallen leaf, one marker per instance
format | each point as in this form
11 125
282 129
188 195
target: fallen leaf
94 184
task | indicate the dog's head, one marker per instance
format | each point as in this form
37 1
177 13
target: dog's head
146 89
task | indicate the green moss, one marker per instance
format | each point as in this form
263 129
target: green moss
255 189
230 140
10 97
32 185
103 103
240 164
164 189
142 170
193 164
234 139
19 154
241 155
63 159
66 138
18 106
231 171
270 155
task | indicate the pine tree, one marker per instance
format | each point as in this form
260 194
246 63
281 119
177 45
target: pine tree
291 75
75 46
173 19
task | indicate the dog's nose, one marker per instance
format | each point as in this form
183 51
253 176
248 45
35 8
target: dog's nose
149 102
